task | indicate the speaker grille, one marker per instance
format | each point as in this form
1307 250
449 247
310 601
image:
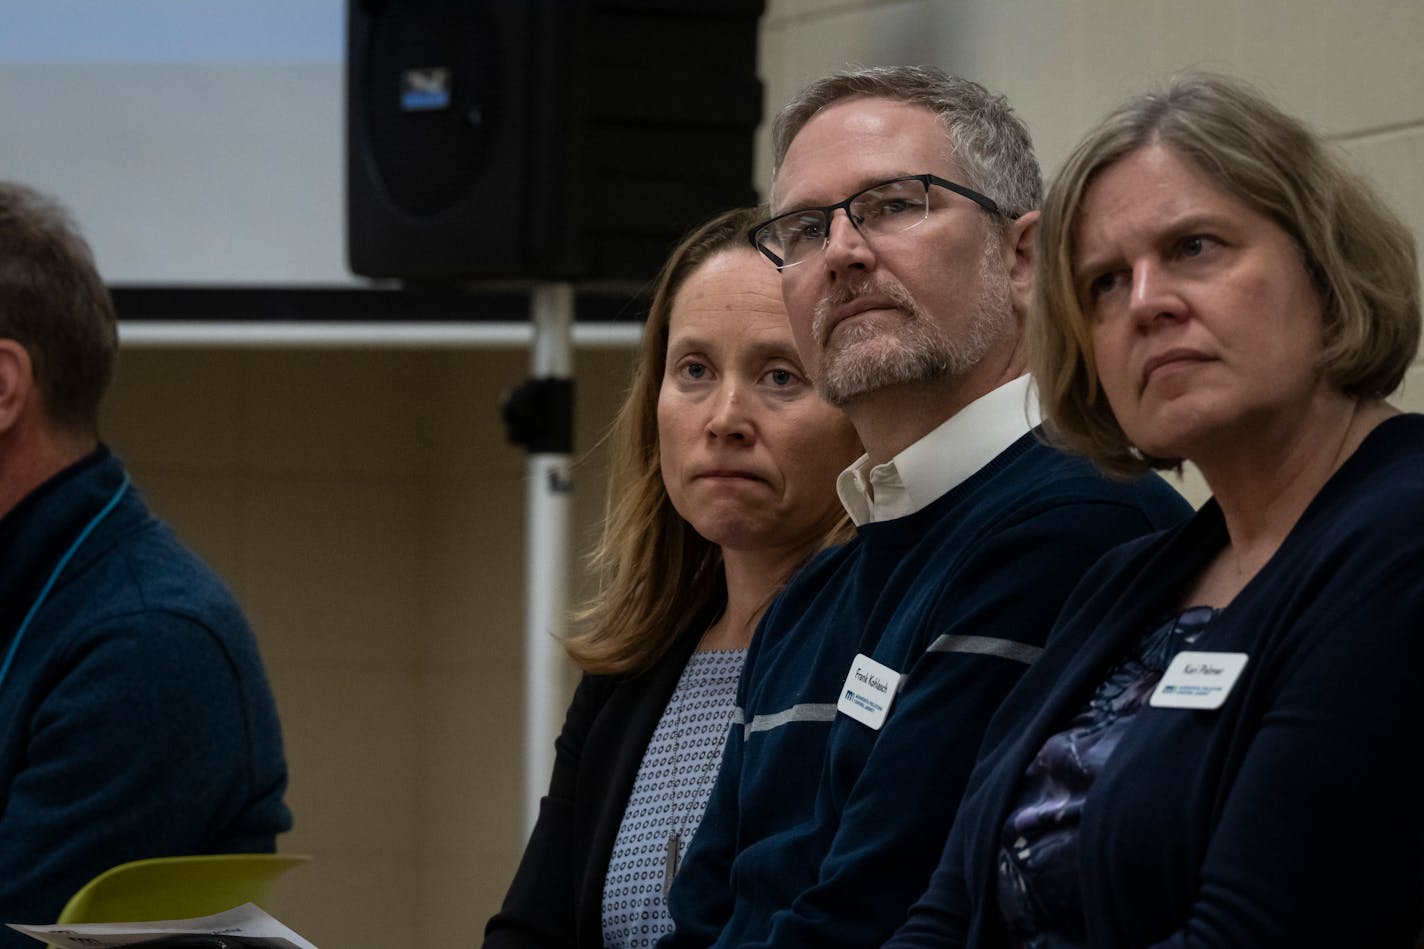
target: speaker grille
428 157
566 139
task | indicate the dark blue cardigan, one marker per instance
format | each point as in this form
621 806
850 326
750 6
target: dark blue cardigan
822 831
136 720
1290 817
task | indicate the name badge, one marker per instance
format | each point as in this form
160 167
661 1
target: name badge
1198 680
868 691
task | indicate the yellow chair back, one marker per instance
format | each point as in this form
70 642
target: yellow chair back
178 887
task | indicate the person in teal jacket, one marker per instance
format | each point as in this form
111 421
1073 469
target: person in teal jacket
135 716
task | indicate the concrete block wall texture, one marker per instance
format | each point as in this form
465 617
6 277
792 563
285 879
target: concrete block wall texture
369 513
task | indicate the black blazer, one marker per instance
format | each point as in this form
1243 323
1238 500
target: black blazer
556 899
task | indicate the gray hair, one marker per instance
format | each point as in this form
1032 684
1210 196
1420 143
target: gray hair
987 140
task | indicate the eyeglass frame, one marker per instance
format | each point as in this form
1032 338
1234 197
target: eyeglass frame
927 179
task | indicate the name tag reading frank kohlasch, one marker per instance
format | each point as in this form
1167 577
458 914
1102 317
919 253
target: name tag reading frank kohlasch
868 691
1200 680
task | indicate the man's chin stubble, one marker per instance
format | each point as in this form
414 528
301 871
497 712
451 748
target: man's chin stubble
851 374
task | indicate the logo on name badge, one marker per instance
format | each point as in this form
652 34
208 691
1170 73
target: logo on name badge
1198 680
868 691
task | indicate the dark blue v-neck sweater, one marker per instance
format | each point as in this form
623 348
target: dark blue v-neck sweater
822 830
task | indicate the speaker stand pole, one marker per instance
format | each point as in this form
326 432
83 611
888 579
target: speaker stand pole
548 530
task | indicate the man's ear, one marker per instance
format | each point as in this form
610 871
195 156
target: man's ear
1021 244
17 383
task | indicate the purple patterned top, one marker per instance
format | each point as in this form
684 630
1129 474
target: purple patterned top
1039 898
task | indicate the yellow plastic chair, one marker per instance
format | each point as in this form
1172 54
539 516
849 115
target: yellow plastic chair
178 887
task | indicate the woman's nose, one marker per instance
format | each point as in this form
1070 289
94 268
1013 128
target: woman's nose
1154 295
729 418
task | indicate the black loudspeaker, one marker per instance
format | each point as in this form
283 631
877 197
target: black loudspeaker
543 139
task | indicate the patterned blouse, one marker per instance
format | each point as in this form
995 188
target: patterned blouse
669 795
1039 898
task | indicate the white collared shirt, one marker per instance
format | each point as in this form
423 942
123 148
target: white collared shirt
942 459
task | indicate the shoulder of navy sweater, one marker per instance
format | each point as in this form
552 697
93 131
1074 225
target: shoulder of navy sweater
1031 478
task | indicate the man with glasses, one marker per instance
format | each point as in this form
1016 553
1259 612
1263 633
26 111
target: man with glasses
903 212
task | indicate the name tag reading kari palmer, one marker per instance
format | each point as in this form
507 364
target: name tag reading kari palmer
1198 680
868 691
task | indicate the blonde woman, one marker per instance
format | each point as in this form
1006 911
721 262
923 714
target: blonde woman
722 483
1220 745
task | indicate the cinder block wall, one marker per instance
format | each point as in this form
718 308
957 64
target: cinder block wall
366 507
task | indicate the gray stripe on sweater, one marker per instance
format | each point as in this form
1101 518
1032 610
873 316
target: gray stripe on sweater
796 713
988 646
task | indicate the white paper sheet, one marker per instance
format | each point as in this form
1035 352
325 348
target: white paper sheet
246 921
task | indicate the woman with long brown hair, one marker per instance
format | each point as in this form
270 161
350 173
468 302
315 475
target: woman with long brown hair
722 482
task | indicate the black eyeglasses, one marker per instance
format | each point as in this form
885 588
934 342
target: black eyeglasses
885 208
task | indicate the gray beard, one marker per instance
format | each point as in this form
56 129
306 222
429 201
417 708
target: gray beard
921 352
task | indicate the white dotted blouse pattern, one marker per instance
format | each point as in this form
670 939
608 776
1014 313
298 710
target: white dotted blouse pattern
669 796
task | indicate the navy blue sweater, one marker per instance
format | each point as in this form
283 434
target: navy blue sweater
1288 817
136 720
821 830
